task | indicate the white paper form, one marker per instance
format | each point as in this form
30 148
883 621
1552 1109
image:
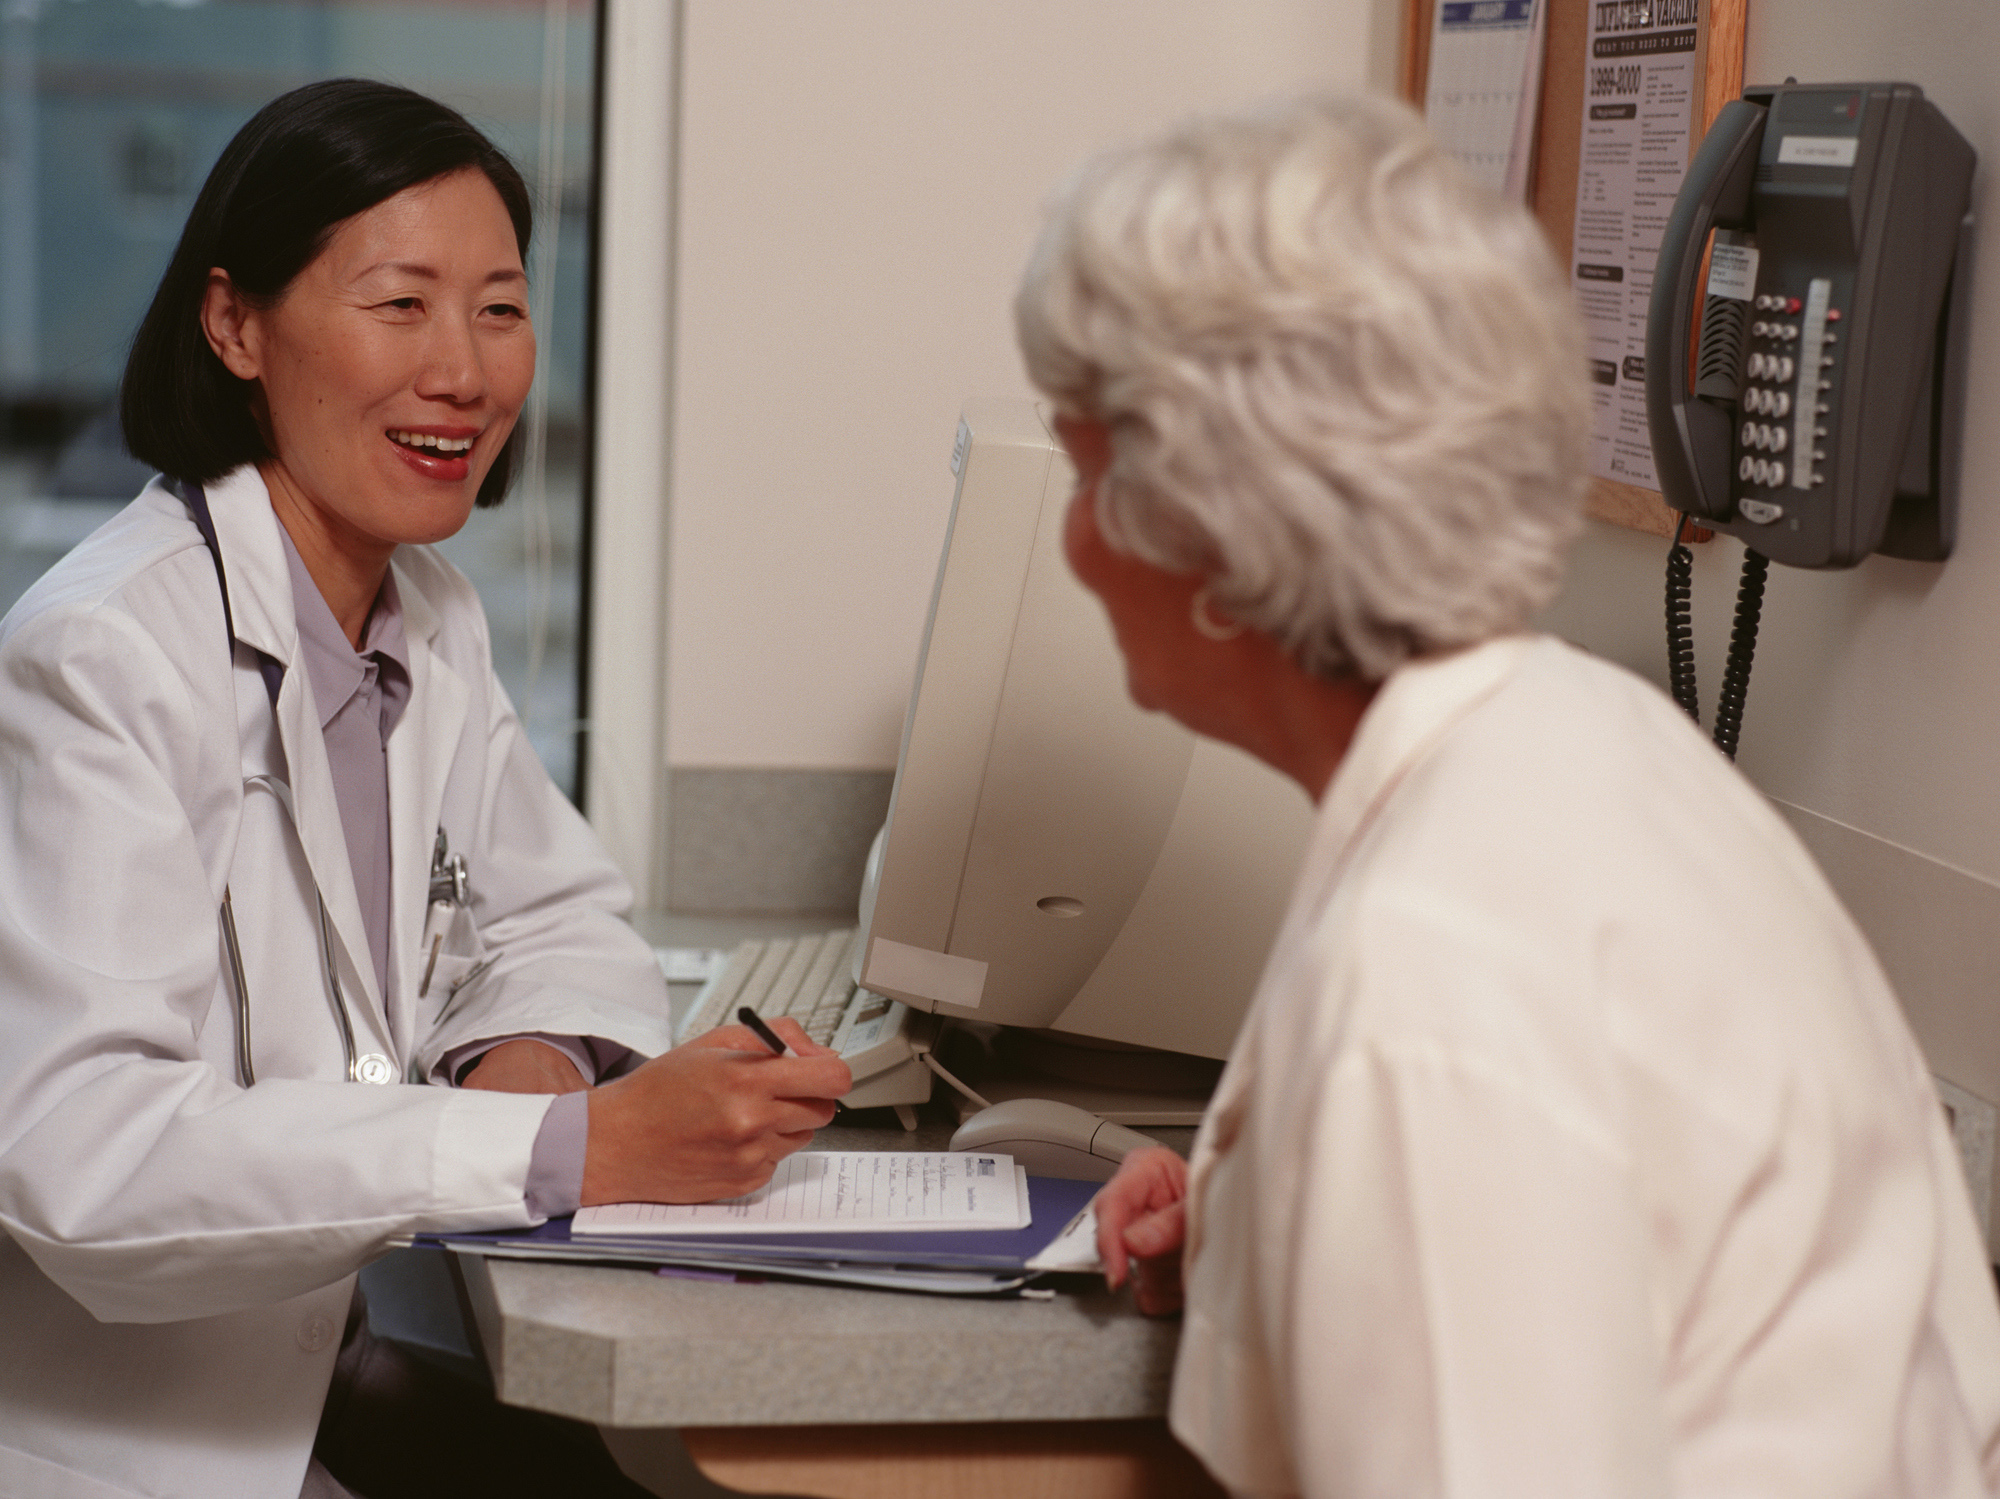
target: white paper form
820 1192
1639 94
1485 87
1075 1248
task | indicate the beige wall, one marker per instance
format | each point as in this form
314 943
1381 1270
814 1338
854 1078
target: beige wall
858 187
1874 712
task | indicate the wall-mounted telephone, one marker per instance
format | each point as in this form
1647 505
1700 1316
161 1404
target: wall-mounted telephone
1818 420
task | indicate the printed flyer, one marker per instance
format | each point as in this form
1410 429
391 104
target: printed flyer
1640 87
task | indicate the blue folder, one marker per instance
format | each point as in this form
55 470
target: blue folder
1052 1204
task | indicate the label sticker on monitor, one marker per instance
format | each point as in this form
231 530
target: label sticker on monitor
907 972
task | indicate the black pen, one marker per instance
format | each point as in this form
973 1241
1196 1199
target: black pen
764 1033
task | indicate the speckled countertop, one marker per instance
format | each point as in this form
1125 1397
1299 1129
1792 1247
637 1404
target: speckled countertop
626 1347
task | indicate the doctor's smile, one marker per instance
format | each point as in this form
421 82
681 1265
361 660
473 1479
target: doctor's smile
435 454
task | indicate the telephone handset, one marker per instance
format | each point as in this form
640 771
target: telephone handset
1820 420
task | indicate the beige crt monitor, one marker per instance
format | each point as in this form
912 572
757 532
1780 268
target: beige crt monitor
1054 857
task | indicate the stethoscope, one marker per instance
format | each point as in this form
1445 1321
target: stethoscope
362 1067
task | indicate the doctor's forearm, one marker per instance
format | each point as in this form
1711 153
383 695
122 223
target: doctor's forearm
525 1066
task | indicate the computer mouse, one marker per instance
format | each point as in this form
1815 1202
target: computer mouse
1050 1139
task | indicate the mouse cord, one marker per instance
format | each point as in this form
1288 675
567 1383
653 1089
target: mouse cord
939 1068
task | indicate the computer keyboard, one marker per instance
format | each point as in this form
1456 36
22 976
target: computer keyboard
811 979
808 978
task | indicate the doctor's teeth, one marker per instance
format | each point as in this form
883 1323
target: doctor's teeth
428 440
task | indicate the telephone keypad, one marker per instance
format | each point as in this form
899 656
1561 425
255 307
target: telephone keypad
1790 360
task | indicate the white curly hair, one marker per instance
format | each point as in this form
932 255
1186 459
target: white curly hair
1342 381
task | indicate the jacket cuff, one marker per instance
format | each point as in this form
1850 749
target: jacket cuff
555 1170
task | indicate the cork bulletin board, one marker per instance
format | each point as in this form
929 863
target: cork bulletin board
1558 137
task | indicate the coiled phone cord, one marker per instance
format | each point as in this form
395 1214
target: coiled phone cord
1742 647
1680 624
1742 639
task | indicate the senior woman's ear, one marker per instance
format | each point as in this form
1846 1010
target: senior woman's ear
229 324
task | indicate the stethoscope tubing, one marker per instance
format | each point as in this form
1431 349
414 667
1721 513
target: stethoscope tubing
337 999
244 1070
336 996
373 1068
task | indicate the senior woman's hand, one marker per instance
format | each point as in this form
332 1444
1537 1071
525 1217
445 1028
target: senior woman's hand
1141 1225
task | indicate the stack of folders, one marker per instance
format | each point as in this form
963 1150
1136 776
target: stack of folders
950 1223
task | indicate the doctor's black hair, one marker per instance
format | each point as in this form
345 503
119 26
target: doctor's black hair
304 164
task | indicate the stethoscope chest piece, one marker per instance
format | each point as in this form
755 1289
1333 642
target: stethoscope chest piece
374 1068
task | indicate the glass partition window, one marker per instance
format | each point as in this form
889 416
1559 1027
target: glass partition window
111 114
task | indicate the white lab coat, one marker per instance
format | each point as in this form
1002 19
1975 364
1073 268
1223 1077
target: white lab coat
180 1251
1574 1144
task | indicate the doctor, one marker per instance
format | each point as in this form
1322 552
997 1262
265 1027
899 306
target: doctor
277 854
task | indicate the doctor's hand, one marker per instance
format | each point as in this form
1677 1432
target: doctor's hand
1141 1225
711 1118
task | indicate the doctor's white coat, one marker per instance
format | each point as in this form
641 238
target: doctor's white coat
180 1251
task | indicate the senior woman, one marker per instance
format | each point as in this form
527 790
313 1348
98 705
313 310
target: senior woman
278 850
1574 1143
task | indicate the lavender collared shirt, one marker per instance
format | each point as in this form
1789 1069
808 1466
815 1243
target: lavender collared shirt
361 696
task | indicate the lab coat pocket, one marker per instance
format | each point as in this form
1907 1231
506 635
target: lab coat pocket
452 956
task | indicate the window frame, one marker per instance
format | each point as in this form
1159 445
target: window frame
621 764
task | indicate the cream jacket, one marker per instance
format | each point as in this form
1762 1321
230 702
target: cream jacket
1574 1144
180 1251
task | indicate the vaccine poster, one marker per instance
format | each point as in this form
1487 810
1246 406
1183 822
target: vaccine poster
1641 84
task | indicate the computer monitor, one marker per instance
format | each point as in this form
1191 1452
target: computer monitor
1054 857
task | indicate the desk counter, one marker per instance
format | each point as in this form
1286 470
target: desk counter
627 1347
622 1347
845 1394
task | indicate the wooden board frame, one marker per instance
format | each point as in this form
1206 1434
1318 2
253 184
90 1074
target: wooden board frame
1558 140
